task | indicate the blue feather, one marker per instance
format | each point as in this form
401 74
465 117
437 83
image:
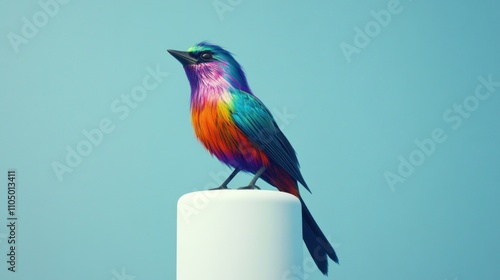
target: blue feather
253 118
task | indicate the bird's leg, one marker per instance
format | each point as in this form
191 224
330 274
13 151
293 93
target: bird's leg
252 185
224 185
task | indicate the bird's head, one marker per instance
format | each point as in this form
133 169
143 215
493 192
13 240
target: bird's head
208 65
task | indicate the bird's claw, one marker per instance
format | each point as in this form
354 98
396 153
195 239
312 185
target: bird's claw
219 188
250 187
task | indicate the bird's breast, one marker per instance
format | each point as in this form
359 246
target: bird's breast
214 127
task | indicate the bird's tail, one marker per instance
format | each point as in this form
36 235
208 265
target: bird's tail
316 242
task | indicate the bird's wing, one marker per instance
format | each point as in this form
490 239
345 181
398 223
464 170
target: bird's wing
253 118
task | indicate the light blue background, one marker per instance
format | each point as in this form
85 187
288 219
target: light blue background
350 121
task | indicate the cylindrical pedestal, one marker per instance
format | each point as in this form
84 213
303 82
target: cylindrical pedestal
238 235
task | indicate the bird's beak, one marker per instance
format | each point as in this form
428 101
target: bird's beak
183 57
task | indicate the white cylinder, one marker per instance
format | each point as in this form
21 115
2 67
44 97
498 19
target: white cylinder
238 235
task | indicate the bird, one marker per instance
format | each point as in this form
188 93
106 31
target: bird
239 130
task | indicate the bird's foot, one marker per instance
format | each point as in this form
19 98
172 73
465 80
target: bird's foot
223 187
249 187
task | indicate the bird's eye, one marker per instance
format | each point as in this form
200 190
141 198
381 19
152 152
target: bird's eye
206 55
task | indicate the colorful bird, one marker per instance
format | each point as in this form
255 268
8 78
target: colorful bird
238 129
